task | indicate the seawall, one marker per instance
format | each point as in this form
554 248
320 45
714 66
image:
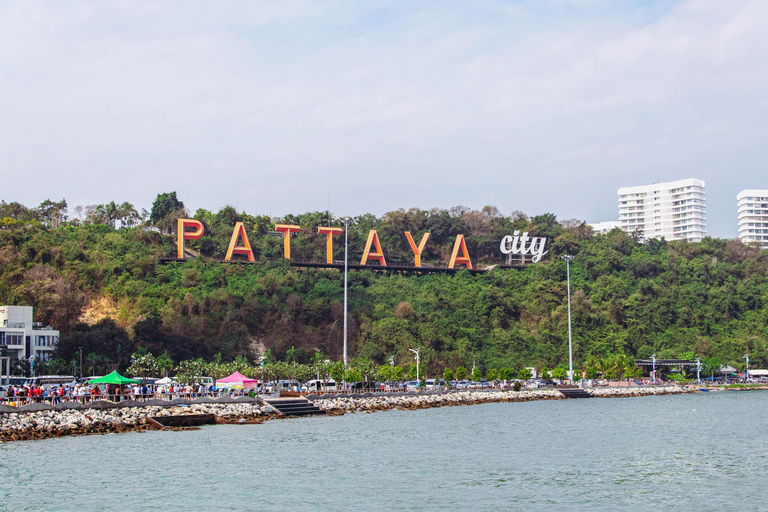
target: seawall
39 422
342 405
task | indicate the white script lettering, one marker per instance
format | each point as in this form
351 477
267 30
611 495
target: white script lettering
517 245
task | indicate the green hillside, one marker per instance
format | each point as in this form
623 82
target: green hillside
708 298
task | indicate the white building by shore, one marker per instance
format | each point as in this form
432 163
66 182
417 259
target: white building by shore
674 210
22 337
753 216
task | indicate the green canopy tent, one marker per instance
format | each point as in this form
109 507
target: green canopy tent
113 378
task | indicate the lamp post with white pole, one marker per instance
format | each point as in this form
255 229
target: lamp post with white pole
747 373
568 258
417 363
654 368
346 221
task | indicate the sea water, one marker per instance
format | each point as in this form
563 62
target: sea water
695 452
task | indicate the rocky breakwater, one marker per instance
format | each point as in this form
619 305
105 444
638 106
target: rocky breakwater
344 405
55 423
621 392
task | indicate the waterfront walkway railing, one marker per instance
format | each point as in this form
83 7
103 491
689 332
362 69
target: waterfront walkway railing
19 401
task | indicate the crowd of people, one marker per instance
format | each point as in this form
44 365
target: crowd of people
84 393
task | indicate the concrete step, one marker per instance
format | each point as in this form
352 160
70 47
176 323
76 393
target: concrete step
293 406
574 392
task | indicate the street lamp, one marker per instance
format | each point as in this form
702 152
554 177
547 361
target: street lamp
747 373
417 363
81 362
654 368
698 370
346 221
568 258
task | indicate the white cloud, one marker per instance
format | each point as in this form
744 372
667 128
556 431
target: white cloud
538 106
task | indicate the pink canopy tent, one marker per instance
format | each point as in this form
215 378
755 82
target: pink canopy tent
237 379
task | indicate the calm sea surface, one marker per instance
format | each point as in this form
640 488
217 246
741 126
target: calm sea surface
697 452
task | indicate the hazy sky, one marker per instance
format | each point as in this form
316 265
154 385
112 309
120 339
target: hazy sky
539 106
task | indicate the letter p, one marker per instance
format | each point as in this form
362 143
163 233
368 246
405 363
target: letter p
182 233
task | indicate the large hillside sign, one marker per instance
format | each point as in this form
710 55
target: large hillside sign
192 229
517 245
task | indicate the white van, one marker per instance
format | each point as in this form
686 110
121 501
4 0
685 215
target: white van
51 381
286 385
320 386
437 384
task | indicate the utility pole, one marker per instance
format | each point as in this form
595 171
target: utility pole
568 258
747 373
654 368
417 363
81 362
346 221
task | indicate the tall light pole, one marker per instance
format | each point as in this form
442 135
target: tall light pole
81 362
698 370
747 373
654 368
417 363
568 258
346 221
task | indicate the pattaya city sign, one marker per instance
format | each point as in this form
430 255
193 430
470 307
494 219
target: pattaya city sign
517 245
192 229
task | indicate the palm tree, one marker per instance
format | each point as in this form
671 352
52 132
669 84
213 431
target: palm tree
165 363
604 365
92 357
625 364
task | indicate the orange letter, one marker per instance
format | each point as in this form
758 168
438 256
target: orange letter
243 249
464 258
182 235
417 250
287 229
376 256
329 232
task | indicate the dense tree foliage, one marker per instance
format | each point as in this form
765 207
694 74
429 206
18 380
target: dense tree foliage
630 298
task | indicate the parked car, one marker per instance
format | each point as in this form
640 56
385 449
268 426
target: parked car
363 386
318 385
462 384
412 385
435 384
288 385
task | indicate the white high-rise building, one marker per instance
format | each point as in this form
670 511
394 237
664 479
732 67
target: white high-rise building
753 216
675 210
